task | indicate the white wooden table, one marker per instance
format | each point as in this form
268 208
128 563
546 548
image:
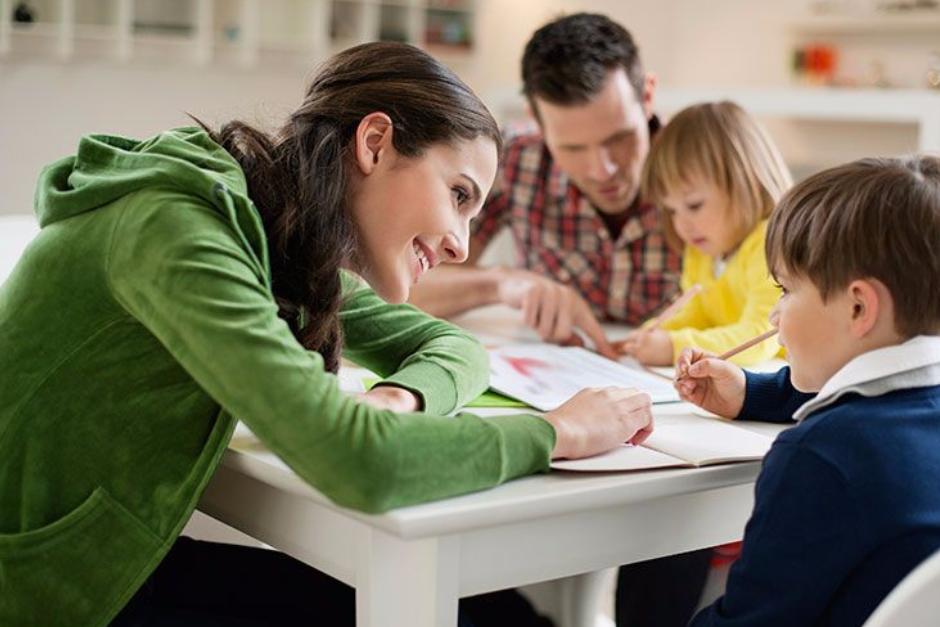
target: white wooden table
409 566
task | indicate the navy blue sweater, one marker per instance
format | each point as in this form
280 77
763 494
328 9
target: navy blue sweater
847 503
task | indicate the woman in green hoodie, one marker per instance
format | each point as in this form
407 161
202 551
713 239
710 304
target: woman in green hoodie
194 279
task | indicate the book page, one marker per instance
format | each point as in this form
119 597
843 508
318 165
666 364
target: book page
625 457
545 375
678 440
704 441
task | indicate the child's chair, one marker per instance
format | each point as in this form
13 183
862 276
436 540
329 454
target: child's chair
915 601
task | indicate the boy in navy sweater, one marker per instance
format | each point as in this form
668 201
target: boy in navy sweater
847 502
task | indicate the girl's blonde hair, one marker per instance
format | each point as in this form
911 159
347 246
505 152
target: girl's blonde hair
721 143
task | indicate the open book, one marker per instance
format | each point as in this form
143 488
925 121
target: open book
679 440
545 376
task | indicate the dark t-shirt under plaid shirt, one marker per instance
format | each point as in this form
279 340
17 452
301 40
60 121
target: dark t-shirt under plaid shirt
559 234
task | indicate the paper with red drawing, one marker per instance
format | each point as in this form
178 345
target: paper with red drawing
545 376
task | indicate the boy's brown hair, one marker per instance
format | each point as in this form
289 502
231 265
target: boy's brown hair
872 218
720 143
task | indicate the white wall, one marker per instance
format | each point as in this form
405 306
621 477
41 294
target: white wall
505 27
46 106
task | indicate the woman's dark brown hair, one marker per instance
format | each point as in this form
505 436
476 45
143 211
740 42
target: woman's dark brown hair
298 176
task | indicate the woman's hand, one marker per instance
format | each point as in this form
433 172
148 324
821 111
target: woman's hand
390 397
651 348
711 383
596 420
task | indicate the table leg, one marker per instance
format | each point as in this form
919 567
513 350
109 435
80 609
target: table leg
581 598
401 582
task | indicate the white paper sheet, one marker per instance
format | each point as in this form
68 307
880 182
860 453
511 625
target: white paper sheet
545 375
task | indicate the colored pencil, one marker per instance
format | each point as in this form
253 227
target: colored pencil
751 342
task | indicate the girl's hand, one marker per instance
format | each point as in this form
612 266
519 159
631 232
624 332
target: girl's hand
713 384
596 420
651 348
391 397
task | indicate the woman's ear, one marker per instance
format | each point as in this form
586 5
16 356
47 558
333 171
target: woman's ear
373 141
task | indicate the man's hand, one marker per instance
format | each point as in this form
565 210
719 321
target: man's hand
552 309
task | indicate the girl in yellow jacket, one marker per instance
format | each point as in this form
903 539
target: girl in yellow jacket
716 176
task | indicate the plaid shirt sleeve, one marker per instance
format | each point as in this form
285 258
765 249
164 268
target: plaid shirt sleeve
655 281
496 210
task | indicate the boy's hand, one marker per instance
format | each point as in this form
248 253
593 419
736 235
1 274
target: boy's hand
552 309
596 420
711 383
650 348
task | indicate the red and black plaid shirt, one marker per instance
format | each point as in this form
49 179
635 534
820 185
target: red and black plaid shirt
559 234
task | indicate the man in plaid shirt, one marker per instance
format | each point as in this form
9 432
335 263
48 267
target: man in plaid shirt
588 248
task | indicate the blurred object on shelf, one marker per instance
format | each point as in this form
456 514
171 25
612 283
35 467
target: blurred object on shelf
832 7
344 21
815 64
877 77
897 6
231 31
164 17
863 8
933 70
393 22
23 13
449 23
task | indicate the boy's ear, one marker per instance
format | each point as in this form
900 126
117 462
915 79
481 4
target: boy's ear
373 141
867 299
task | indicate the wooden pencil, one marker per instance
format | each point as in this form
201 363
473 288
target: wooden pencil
673 308
751 342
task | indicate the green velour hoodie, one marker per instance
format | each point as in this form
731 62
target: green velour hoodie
137 328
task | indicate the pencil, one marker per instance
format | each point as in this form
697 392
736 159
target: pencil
751 342
672 309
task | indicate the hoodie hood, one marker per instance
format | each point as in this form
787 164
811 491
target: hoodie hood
187 160
108 167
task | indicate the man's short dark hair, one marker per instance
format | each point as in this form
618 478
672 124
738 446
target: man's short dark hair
568 60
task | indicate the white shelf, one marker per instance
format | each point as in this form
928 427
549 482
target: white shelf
914 22
224 31
905 106
36 29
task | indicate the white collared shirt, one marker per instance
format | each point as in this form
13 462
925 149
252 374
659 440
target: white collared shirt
912 364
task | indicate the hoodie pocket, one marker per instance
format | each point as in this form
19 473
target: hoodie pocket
77 570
